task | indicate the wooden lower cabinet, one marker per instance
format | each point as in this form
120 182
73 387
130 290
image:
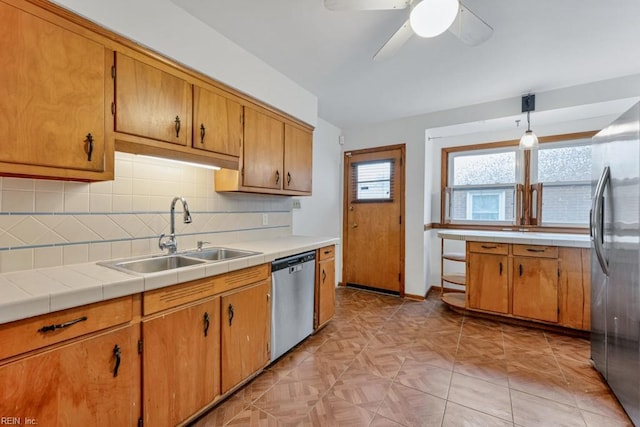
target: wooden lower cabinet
181 359
325 287
535 288
246 333
489 287
534 282
78 384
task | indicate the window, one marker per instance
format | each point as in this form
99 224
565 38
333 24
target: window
565 172
498 184
373 180
482 185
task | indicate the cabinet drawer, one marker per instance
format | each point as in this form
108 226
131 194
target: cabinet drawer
489 248
51 328
326 252
536 251
173 296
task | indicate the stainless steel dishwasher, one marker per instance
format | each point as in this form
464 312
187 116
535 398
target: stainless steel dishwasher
293 280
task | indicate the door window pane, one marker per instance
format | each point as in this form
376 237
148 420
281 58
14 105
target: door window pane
372 180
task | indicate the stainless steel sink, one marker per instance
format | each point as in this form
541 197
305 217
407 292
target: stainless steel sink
169 262
154 265
218 254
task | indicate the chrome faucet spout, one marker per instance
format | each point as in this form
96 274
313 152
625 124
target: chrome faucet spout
171 243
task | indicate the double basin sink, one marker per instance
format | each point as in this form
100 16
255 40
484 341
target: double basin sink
155 264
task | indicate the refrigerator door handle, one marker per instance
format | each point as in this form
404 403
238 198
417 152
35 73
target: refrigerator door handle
597 222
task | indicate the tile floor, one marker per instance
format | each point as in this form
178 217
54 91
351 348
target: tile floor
384 361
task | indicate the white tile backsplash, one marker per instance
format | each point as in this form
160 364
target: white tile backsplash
47 223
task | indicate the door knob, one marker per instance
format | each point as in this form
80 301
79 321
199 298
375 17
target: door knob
354 225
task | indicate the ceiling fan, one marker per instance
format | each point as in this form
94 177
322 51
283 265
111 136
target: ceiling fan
427 18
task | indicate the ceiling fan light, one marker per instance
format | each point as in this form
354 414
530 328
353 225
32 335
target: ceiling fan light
529 141
430 18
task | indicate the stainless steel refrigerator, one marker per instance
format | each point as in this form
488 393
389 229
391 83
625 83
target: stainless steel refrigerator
615 258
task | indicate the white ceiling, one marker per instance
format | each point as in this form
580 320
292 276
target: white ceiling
537 45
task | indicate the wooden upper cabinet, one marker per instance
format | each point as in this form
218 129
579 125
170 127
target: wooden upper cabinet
262 150
52 99
217 122
298 147
151 103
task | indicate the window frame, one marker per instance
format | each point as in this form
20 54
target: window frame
523 213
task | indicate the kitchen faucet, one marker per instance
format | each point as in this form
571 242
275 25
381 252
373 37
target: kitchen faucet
171 243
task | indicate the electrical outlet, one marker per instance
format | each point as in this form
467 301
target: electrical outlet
296 204
265 219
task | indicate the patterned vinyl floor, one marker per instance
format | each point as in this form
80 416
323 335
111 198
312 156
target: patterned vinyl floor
384 361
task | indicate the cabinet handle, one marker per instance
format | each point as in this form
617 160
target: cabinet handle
277 177
535 250
117 354
49 328
501 268
230 314
327 252
203 131
288 178
268 297
177 122
488 247
206 323
324 275
89 146
520 270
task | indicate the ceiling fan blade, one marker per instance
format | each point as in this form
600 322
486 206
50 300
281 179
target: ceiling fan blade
469 28
366 4
396 41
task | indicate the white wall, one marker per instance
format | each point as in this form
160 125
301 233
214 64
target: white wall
579 108
320 214
165 28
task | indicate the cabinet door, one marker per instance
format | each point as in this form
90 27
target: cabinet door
298 147
151 103
79 384
326 282
246 320
262 161
488 285
181 362
535 288
217 123
52 94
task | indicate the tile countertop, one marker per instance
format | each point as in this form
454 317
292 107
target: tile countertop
521 237
33 292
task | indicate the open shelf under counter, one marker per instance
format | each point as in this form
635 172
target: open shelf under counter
454 256
454 299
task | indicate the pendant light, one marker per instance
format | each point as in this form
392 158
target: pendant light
430 18
529 140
